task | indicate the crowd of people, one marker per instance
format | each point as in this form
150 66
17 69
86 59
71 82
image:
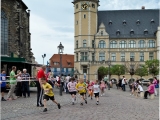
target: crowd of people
45 83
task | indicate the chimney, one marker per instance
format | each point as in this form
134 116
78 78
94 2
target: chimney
143 7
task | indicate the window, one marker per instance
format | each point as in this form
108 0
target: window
101 56
151 56
84 16
141 44
123 44
93 5
84 43
77 22
151 44
84 69
56 63
123 56
101 33
102 44
113 44
69 63
93 43
113 56
132 44
77 57
76 6
84 56
132 56
93 57
141 56
77 44
4 33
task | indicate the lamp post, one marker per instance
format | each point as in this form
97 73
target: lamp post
43 56
88 70
60 51
109 64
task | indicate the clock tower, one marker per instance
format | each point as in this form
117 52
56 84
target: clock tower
85 24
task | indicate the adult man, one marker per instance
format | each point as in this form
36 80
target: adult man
13 83
25 83
106 80
66 82
3 84
123 83
40 75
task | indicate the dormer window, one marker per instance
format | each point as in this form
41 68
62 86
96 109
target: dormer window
152 21
118 32
124 22
132 32
69 64
110 22
145 31
101 33
138 22
56 63
93 5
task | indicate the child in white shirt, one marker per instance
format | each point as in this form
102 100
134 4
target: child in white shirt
96 90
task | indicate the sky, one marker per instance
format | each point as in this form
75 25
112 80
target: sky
52 22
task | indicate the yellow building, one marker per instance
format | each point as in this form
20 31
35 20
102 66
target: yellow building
113 35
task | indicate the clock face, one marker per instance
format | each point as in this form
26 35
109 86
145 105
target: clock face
84 6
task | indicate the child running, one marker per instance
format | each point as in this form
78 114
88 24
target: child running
90 89
48 94
96 91
81 88
102 86
72 89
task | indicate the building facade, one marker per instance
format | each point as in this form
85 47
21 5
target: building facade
118 36
67 64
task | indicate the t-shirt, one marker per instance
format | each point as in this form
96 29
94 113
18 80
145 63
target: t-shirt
12 78
67 78
48 86
151 89
96 88
25 77
72 86
3 79
140 88
81 87
41 74
105 79
123 81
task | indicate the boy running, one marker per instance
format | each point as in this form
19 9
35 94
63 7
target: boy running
81 88
48 94
96 90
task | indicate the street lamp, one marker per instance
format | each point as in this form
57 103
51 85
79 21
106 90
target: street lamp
60 51
88 70
109 64
43 56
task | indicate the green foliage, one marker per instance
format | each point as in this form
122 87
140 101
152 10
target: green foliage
118 70
153 66
102 71
142 71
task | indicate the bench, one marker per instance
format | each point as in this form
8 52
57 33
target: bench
152 96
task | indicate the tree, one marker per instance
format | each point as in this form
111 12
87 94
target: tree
118 70
153 66
142 71
102 71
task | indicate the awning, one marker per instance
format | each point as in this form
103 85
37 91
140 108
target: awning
12 59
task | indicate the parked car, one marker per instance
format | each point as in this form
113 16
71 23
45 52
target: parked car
145 82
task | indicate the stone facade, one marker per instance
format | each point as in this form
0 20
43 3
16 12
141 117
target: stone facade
19 36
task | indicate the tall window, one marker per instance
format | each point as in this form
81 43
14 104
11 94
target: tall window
132 44
141 56
84 43
151 43
77 57
84 56
101 56
102 44
93 43
151 56
123 44
93 57
132 56
113 56
77 44
84 69
122 56
76 6
141 44
113 44
4 33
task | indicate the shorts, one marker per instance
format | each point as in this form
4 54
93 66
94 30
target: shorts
82 94
48 97
105 82
96 94
3 89
73 92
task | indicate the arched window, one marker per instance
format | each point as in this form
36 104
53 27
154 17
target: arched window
151 43
102 44
84 43
113 44
123 44
132 44
141 44
4 33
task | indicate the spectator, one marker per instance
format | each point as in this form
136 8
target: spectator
19 85
150 90
124 83
155 83
66 82
3 84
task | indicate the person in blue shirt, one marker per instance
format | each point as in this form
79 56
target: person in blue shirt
3 84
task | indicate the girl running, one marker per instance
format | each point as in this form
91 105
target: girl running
90 89
96 91
81 88
72 89
102 87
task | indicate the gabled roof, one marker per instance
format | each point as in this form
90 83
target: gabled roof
117 17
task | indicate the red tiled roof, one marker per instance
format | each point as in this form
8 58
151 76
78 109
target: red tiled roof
66 60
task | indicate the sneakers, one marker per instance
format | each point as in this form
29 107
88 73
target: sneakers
97 102
3 99
91 98
86 101
81 104
72 103
59 106
40 105
45 110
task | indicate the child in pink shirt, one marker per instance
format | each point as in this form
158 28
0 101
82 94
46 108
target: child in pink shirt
102 87
90 89
150 90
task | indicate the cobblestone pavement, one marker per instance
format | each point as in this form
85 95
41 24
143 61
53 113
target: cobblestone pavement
114 105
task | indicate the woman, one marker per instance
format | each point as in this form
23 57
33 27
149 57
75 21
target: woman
19 85
150 90
155 83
